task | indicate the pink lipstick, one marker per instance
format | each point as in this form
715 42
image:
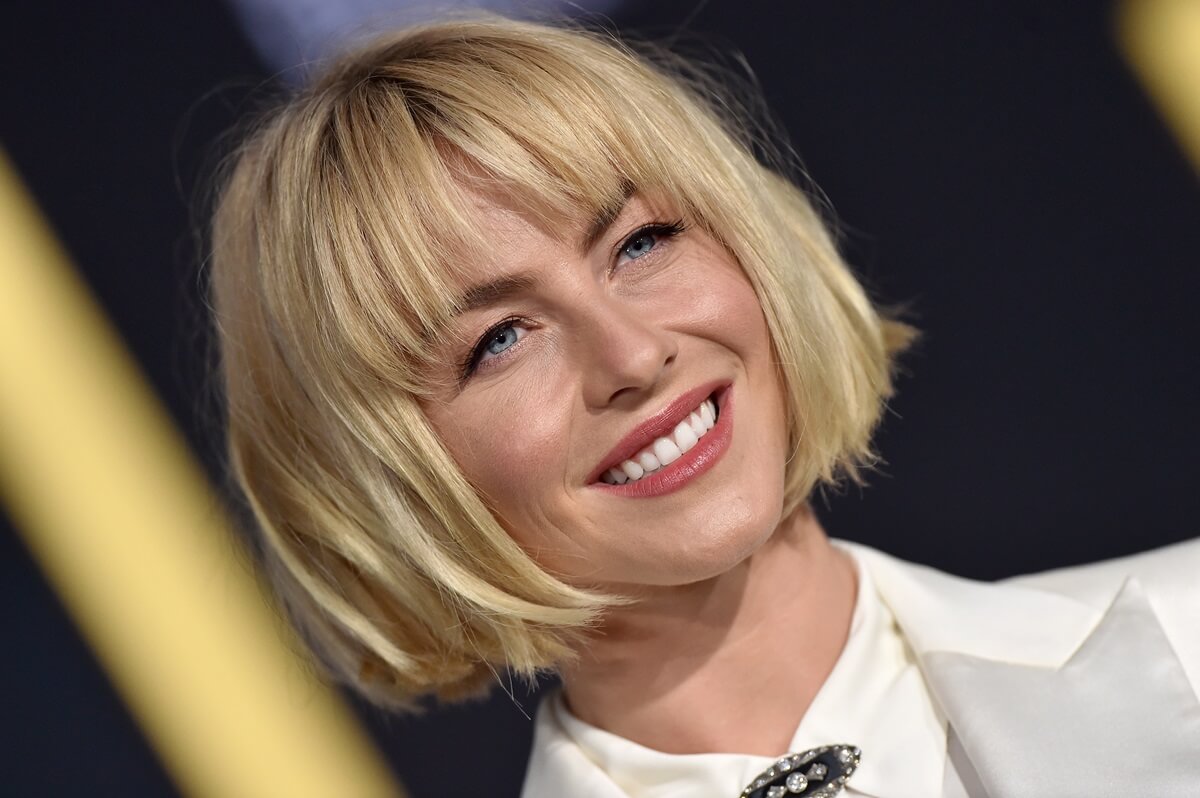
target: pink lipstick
690 464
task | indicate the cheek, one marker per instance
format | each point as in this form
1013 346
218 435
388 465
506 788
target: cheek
722 305
729 314
508 443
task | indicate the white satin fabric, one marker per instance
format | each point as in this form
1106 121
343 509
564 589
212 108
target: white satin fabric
1070 683
874 698
1078 682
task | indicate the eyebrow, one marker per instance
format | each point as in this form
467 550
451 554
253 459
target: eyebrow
492 292
604 218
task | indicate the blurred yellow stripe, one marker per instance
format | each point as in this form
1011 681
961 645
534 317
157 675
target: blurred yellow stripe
1161 38
120 519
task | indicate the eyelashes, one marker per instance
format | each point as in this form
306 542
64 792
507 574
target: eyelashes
660 232
468 366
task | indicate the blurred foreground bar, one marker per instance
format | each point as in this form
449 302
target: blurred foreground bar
122 523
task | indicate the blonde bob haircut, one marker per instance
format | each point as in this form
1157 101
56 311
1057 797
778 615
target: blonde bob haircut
337 229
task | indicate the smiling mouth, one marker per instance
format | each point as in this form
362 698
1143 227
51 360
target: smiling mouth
663 451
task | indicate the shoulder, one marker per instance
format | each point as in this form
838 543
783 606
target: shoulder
1168 574
1169 577
1044 617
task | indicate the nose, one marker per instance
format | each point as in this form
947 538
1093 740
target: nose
625 352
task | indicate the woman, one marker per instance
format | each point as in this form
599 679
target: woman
530 364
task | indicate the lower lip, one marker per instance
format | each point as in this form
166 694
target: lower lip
694 462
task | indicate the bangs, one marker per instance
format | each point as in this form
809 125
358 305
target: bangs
415 141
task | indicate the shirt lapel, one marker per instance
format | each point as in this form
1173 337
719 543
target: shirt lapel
1046 695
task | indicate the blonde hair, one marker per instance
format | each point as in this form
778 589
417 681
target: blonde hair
334 243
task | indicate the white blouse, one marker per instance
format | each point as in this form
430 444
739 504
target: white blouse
874 698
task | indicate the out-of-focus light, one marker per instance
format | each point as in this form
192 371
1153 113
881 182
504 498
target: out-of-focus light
118 516
1161 39
289 34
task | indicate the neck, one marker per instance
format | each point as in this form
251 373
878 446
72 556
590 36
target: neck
730 664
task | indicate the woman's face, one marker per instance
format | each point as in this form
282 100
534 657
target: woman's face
615 400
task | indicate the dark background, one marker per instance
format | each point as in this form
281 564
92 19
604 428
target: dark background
996 166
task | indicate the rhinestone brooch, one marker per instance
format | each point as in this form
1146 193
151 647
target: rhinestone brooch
815 773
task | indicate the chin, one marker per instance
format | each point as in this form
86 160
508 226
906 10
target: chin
707 544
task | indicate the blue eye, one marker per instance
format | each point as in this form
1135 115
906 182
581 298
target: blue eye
640 246
501 339
493 344
646 239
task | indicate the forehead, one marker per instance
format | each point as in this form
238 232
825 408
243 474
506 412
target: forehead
508 227
505 217
511 212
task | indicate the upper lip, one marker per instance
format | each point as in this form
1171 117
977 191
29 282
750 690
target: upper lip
658 425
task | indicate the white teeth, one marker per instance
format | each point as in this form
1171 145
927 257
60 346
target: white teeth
667 449
684 437
632 470
648 461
